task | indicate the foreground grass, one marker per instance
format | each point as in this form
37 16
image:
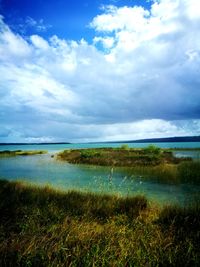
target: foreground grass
9 153
43 227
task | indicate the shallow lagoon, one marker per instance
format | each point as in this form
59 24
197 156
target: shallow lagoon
45 170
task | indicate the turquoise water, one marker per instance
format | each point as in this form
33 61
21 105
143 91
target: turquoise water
45 170
184 153
59 147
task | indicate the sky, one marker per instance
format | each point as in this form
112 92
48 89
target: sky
104 70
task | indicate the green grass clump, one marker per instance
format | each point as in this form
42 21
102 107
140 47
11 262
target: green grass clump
152 150
87 153
124 146
43 227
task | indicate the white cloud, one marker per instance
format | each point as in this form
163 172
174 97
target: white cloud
124 18
152 128
38 25
39 42
12 45
144 84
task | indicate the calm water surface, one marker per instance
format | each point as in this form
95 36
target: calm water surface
45 170
59 147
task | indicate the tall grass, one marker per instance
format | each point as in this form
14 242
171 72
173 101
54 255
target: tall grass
43 227
184 172
163 173
189 172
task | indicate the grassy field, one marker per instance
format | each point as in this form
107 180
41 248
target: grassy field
8 153
43 227
124 156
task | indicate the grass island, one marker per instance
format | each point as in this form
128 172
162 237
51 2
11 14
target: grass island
122 156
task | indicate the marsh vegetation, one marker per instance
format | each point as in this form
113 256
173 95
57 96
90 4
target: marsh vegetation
43 227
123 156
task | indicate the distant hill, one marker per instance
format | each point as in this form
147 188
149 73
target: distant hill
164 140
159 140
151 140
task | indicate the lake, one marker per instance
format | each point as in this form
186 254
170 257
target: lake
45 170
59 147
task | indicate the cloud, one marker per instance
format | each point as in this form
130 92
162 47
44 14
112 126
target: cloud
27 25
52 130
38 25
39 42
143 82
123 18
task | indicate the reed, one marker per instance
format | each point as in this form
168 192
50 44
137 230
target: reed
44 227
189 172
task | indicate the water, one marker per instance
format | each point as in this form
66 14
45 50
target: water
185 154
45 170
59 147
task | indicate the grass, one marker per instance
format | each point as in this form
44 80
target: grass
164 173
43 227
189 172
8 153
184 172
124 156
